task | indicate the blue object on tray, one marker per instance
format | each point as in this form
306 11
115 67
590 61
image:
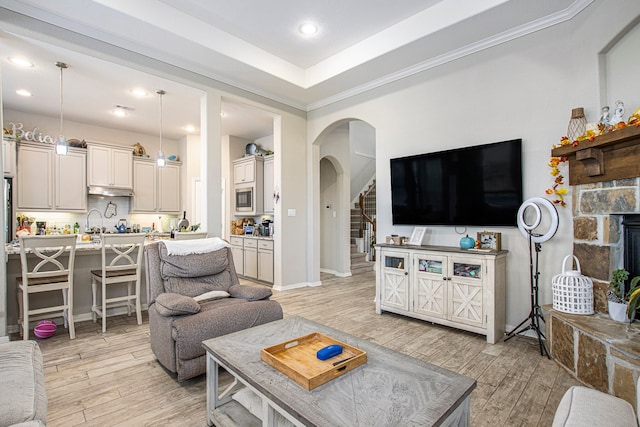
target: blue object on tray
329 351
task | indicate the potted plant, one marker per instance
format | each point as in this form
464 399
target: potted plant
633 297
615 296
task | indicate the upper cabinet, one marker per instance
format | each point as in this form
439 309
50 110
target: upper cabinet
155 189
46 181
9 148
109 166
248 175
244 170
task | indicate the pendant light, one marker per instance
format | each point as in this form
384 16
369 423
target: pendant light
160 161
62 147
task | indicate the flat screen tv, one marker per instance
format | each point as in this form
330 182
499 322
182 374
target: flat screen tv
476 186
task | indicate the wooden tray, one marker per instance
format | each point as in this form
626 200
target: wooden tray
297 359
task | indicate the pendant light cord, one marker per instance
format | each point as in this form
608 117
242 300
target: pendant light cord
62 66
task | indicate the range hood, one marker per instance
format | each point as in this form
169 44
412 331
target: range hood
110 191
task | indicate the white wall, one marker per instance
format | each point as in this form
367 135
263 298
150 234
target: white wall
91 133
362 145
525 89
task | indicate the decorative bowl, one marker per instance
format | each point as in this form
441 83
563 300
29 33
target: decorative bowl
45 329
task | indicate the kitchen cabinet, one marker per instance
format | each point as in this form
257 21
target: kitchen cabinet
109 166
253 257
265 260
155 189
248 178
9 153
46 181
464 289
268 184
237 250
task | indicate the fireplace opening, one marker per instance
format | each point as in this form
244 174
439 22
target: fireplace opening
631 244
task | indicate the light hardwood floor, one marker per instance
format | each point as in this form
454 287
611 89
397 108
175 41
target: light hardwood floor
113 379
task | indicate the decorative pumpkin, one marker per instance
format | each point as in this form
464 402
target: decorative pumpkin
467 242
45 329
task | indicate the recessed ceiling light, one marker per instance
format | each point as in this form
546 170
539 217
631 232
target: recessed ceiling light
23 92
190 128
20 62
139 92
308 29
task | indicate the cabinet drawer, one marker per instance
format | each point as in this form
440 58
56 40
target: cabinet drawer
250 243
236 241
265 244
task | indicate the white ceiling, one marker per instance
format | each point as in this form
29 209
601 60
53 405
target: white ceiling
249 45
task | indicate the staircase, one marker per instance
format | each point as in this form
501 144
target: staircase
359 264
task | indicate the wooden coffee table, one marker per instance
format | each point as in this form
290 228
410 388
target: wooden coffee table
391 389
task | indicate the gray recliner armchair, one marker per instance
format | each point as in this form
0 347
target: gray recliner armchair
193 297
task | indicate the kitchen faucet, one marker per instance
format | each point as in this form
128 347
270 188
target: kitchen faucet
86 224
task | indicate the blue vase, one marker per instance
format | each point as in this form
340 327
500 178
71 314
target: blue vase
467 242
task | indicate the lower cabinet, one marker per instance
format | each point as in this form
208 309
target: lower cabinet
253 257
450 286
265 260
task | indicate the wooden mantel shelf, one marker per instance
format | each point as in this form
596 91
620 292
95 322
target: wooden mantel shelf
614 155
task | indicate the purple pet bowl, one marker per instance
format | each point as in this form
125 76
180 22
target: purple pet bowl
45 329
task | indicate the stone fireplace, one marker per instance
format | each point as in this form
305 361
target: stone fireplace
605 177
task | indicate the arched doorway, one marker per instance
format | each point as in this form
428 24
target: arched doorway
343 164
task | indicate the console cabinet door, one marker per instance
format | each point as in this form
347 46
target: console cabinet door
395 280
466 291
430 286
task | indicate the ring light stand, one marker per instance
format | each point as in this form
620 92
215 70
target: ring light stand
535 241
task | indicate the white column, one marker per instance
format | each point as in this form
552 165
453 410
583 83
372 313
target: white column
210 163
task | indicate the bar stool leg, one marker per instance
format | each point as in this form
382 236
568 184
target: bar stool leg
138 308
65 311
94 289
104 307
129 299
25 316
72 327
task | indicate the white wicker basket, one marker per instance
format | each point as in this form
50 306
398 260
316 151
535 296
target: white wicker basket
572 292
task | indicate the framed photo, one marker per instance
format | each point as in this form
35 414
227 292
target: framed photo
417 236
490 240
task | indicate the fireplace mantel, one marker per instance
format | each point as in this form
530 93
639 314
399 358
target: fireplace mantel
614 155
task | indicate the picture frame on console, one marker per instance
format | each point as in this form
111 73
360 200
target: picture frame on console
490 240
417 236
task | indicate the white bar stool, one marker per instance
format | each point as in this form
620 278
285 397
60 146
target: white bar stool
125 253
47 265
189 235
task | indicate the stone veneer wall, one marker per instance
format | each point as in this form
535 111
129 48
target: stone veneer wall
599 351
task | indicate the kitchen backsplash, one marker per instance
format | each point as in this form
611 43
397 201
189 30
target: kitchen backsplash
112 210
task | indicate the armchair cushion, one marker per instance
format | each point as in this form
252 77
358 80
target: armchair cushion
250 293
170 304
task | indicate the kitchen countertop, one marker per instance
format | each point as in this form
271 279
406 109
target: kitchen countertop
14 249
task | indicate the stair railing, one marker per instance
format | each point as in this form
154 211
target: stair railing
367 228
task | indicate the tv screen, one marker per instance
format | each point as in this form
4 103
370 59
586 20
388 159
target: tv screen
479 185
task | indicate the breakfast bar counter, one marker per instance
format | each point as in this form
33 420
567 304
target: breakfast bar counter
88 257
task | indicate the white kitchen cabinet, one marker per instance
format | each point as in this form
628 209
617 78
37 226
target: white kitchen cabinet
70 192
46 181
248 178
268 184
265 260
251 258
155 189
244 170
463 289
109 166
237 250
9 153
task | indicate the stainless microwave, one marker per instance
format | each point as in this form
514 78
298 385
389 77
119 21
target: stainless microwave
244 199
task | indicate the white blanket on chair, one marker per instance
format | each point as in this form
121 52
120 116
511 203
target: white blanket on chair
195 246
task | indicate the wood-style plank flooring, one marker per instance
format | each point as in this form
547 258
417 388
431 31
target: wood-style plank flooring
113 379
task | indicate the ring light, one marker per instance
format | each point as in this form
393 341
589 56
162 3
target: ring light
526 229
